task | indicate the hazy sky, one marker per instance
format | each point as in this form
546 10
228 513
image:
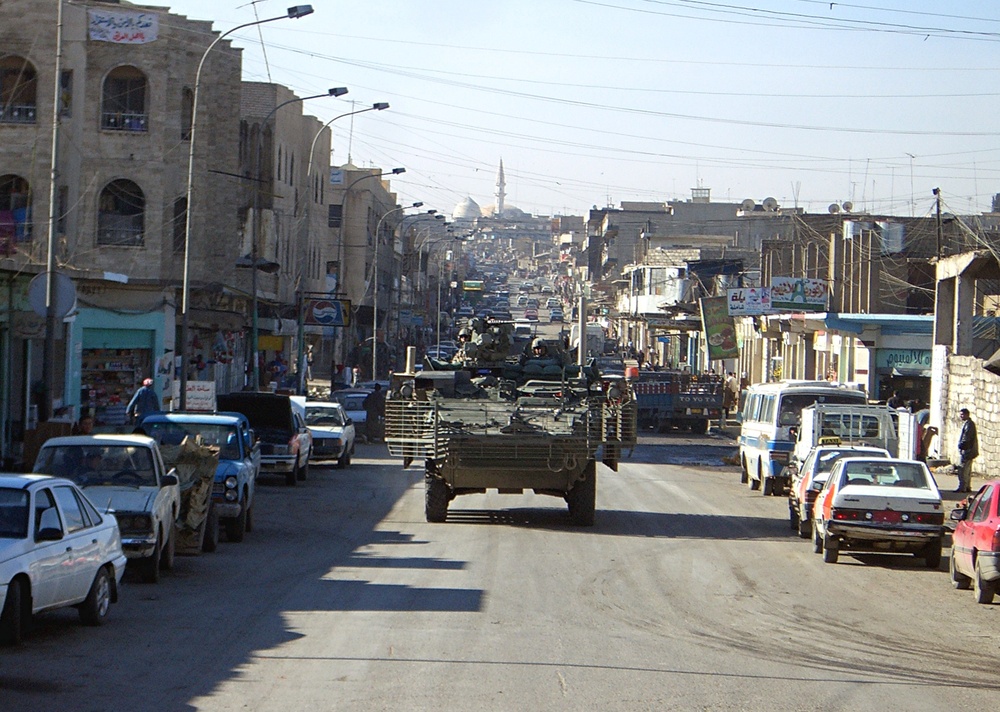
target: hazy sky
594 102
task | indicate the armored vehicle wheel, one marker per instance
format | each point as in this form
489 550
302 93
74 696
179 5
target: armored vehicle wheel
436 497
582 499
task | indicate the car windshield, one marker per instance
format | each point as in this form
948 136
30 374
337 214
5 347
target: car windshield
99 465
319 415
353 401
13 513
790 412
217 435
893 474
826 460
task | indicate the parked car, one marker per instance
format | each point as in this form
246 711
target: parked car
56 550
332 430
233 492
279 424
353 401
808 480
975 547
879 505
125 473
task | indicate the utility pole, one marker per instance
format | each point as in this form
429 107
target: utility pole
937 196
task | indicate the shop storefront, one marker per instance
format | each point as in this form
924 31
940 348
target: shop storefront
115 353
903 371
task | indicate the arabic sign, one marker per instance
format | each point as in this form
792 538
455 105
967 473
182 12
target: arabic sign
749 301
799 294
327 312
200 395
719 330
123 27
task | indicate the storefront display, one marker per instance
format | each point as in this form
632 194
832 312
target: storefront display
108 378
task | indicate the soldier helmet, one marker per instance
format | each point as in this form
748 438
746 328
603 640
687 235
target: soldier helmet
464 331
539 343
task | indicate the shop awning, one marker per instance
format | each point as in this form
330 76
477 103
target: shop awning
911 371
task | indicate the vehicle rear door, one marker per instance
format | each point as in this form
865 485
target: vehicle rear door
982 528
49 564
83 549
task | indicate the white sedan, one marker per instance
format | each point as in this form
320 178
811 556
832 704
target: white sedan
56 550
332 431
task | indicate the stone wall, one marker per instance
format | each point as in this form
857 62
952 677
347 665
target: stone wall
965 384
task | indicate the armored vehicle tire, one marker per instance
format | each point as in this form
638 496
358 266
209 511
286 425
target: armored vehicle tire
436 497
582 498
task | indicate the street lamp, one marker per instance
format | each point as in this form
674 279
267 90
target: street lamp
377 106
343 222
255 332
378 229
292 13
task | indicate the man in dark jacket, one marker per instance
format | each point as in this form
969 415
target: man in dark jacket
968 450
144 402
374 405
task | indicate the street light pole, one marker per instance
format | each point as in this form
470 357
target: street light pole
343 221
378 229
293 13
255 331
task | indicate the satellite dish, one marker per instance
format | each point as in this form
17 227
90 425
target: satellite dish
770 204
748 205
834 208
848 206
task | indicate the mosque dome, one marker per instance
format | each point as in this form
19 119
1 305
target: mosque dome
467 209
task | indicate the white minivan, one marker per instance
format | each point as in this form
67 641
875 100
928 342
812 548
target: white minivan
771 415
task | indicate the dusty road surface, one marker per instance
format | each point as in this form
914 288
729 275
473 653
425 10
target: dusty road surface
690 593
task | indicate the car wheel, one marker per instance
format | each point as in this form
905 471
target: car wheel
250 518
169 552
958 579
582 498
932 554
236 527
983 590
768 488
755 484
793 518
211 540
12 618
150 566
344 460
817 539
292 478
304 471
830 553
805 528
95 608
744 475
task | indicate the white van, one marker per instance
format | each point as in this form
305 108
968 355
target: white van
771 416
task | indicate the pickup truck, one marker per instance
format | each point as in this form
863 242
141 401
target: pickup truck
125 473
239 463
279 424
678 399
841 424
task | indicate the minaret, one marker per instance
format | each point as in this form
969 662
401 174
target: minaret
501 184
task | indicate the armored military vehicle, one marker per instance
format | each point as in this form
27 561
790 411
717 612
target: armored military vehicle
492 420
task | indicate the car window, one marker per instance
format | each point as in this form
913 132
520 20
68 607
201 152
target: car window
895 474
96 464
324 416
13 513
45 503
981 512
72 515
89 509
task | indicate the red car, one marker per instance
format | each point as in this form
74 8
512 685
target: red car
975 548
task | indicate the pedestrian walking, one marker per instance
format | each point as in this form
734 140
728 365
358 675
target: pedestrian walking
144 402
968 450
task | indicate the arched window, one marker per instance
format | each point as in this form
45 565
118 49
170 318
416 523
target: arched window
120 214
18 87
15 212
187 113
123 100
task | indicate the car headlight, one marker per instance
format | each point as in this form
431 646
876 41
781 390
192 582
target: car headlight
232 495
141 523
232 482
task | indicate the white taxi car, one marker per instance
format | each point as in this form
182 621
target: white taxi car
332 431
879 505
56 550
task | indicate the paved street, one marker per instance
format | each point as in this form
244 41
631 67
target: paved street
690 593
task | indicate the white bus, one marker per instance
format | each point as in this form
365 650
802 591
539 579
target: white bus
771 417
